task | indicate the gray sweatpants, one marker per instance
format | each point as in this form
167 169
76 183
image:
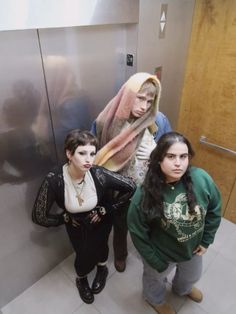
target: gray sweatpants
186 275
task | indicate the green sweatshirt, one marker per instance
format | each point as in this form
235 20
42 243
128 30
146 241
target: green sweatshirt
175 237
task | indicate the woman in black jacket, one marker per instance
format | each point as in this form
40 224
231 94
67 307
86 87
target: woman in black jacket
82 191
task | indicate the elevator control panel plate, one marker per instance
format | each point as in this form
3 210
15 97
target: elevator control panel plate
129 60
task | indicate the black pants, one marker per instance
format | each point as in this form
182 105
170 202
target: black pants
120 231
90 242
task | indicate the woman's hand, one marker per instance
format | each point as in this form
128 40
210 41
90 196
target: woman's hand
200 250
96 215
144 151
94 218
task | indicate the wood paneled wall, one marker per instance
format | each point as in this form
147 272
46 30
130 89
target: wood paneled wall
208 104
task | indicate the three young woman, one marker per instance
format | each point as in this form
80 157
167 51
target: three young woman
172 219
80 190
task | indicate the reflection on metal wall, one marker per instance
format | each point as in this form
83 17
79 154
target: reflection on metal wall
52 80
59 80
82 73
21 94
23 159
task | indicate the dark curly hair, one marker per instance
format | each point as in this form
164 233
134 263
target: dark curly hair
155 180
76 138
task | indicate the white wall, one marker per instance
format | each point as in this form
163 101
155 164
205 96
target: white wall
31 14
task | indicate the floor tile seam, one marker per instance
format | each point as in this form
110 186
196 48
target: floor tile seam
112 274
210 264
230 237
226 236
198 304
16 299
80 306
202 307
180 307
228 259
24 293
67 275
74 285
218 246
96 308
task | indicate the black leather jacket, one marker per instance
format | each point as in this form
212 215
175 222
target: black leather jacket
52 190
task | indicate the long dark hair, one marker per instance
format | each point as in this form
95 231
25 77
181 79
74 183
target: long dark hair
155 180
76 138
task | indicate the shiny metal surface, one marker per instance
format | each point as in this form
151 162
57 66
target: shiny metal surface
169 52
30 14
52 80
82 68
82 72
22 94
25 157
203 140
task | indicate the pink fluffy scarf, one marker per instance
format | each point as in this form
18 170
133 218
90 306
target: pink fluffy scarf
118 144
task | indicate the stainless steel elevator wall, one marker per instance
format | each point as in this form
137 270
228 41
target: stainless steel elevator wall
52 80
55 79
84 67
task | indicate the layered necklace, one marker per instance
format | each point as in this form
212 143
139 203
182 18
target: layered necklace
78 190
78 187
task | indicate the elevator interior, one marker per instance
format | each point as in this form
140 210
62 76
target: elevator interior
56 76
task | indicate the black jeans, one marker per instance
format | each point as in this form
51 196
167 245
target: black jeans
120 231
90 243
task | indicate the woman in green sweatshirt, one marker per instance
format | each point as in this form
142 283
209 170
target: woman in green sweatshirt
172 219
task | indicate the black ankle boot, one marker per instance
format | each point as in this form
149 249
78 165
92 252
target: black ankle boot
84 290
100 279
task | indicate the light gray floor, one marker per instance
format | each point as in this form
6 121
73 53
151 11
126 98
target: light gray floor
56 292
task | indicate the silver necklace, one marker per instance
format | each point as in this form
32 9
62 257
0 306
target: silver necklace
78 191
78 187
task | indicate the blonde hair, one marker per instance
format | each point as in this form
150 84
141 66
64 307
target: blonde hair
150 87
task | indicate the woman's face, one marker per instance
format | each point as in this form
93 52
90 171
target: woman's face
143 103
175 162
83 157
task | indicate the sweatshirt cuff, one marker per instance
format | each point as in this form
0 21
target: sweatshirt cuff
205 245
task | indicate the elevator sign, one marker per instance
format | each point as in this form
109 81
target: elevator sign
163 19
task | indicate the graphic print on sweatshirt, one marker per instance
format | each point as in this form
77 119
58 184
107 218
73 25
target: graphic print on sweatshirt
178 220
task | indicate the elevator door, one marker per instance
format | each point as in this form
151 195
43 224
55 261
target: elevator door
52 80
